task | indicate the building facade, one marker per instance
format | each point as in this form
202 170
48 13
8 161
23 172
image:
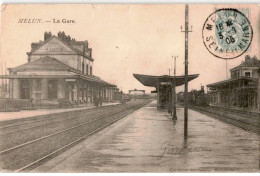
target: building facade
242 90
58 68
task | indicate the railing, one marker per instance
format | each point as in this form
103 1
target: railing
14 104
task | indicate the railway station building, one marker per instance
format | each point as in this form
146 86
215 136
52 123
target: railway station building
58 68
242 90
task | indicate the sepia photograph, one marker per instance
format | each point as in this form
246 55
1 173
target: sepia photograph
130 88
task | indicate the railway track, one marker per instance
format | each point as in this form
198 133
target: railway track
50 119
41 118
29 146
241 120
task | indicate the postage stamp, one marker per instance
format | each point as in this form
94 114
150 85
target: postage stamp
227 33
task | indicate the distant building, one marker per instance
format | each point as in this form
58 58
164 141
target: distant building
242 90
195 97
58 68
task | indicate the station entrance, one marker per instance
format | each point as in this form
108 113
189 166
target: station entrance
25 89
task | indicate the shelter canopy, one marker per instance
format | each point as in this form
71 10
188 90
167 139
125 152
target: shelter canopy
153 81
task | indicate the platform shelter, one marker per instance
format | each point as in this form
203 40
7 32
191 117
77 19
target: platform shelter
165 87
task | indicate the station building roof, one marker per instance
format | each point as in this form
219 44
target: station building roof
67 43
228 81
249 62
51 64
153 81
45 63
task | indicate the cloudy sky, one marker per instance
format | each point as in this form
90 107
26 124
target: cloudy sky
125 39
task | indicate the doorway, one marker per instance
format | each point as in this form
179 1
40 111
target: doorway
52 89
25 89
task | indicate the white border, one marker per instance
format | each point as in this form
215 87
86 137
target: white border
132 1
129 2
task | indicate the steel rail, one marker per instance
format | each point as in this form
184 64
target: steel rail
241 124
47 116
62 131
54 120
71 144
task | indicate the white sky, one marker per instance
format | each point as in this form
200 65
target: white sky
147 37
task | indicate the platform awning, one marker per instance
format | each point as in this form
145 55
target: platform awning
153 81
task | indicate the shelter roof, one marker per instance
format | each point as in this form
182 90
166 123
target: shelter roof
153 81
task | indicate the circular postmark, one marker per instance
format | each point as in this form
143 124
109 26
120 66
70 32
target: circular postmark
227 33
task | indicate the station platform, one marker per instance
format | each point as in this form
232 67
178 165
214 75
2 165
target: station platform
4 116
149 141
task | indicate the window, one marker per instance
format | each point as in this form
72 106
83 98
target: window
235 74
90 71
38 84
232 75
25 89
87 69
247 74
83 68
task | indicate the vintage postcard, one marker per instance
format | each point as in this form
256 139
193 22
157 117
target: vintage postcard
129 88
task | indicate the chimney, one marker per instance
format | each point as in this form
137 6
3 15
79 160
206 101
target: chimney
69 38
34 45
63 35
60 34
86 43
247 58
47 35
90 52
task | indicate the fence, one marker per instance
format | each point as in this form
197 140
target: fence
14 104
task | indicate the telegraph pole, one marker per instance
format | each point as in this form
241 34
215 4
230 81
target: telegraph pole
169 71
5 81
186 71
174 116
175 65
226 69
169 97
2 80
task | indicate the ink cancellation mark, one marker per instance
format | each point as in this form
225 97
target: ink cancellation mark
227 33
